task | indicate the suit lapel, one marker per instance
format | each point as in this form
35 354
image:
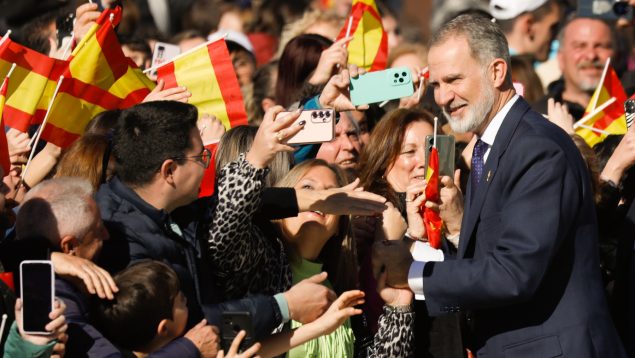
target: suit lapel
501 142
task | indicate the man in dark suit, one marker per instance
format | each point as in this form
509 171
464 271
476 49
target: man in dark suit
527 272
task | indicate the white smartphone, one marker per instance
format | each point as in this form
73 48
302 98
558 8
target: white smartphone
37 290
163 52
319 126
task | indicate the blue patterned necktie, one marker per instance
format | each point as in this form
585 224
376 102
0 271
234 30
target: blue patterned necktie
478 163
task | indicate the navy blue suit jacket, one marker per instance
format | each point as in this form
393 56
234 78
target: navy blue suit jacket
527 271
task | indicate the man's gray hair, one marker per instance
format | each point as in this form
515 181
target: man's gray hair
485 38
56 208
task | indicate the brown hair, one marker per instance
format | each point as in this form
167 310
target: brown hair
523 72
85 159
338 254
384 147
592 164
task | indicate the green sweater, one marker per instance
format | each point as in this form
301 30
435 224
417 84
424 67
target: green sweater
17 347
340 343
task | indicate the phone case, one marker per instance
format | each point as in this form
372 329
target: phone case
319 126
27 304
163 52
232 324
380 86
446 149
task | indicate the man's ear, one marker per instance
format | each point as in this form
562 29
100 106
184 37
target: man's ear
167 170
498 72
68 244
162 329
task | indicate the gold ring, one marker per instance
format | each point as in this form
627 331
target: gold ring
280 136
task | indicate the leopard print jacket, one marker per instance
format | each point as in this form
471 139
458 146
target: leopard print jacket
246 261
243 258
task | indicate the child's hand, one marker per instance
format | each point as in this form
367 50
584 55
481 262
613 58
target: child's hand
340 310
233 349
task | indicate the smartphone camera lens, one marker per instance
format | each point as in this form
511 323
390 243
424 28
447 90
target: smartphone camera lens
321 114
401 80
403 74
621 8
396 75
314 115
328 114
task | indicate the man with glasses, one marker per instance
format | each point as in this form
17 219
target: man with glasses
152 211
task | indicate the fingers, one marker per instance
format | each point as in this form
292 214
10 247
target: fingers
319 278
271 114
201 324
94 281
457 178
252 350
331 295
448 182
351 186
343 41
180 94
233 349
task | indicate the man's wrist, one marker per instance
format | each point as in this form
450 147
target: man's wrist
281 300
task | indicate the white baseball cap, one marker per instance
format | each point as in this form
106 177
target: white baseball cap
509 9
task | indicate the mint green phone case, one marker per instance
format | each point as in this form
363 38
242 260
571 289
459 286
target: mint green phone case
380 86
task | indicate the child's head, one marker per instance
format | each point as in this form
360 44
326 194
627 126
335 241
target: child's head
148 311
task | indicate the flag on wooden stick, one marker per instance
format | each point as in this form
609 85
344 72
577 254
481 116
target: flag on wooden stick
369 47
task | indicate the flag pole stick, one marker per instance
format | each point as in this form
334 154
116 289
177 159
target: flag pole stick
434 141
39 133
422 76
594 113
599 131
4 322
348 28
606 67
11 70
147 70
5 37
67 47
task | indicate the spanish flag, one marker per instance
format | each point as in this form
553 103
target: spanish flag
99 77
369 47
4 147
431 219
99 61
207 72
32 85
611 119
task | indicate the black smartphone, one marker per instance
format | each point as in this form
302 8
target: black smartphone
446 150
37 290
64 25
232 324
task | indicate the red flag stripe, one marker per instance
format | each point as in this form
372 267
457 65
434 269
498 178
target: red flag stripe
228 83
89 93
33 61
166 72
59 136
111 49
134 97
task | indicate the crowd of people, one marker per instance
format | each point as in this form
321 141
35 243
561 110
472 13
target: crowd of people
323 247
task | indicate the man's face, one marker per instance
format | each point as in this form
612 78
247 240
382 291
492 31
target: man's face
544 31
189 174
90 245
461 87
585 47
344 149
244 66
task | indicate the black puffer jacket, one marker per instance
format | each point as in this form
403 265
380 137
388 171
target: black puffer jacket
139 231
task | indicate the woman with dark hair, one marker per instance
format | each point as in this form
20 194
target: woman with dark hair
393 165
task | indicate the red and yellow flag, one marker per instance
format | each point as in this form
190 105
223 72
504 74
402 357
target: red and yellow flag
4 147
208 74
33 84
99 78
369 47
431 219
611 119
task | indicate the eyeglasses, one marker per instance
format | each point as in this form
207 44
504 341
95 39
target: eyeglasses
205 157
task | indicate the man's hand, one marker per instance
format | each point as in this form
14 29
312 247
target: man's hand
85 16
18 143
233 349
393 225
415 197
309 299
394 258
558 113
57 326
97 280
336 94
205 338
211 128
347 200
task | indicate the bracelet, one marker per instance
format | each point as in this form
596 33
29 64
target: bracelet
398 309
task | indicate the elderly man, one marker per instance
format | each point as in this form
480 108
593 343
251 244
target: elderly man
585 45
527 269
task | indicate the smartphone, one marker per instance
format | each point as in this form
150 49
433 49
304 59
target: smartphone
37 290
232 324
64 26
319 126
163 52
380 86
446 149
605 9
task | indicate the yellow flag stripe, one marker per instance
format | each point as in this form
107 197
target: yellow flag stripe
69 106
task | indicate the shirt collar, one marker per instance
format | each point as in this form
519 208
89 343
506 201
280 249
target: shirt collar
492 128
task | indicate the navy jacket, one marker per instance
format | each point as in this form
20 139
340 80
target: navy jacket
527 273
139 231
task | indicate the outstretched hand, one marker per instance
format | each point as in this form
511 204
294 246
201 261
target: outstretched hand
272 136
336 93
347 200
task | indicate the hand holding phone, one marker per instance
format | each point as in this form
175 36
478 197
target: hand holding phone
232 324
319 126
380 86
446 148
37 291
